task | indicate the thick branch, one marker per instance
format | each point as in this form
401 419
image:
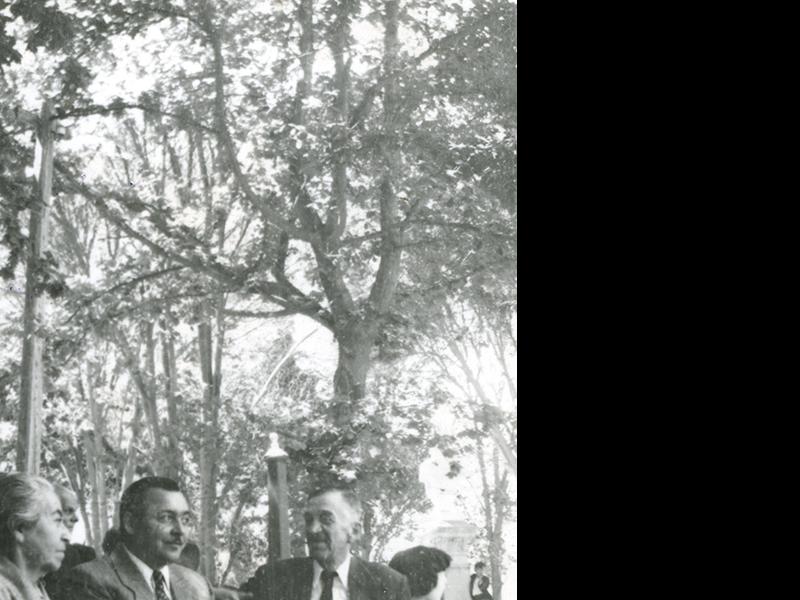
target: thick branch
116 107
382 292
274 292
362 110
223 133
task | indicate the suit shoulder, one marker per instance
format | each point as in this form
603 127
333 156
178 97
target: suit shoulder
98 566
188 574
78 554
284 565
385 572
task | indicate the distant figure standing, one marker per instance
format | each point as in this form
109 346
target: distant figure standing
424 568
479 583
76 554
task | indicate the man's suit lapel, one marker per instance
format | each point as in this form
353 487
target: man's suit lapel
182 588
303 582
129 575
360 582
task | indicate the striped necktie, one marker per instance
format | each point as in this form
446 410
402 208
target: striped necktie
161 586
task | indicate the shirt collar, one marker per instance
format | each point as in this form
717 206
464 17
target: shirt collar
343 571
145 570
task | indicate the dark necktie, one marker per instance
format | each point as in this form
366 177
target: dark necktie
327 585
161 586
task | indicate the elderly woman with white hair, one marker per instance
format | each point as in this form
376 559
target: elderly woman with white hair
33 536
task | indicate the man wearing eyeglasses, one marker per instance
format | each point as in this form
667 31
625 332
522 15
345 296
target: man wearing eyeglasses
155 522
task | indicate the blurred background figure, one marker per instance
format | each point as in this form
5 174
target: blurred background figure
76 553
479 583
110 541
424 567
190 558
33 536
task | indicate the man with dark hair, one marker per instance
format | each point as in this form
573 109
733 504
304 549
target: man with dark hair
333 524
76 554
154 523
424 567
479 583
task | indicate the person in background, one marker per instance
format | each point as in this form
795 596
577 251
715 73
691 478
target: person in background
190 557
425 568
479 583
333 525
76 553
155 522
33 536
110 540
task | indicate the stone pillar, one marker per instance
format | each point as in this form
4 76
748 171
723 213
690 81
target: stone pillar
278 516
455 537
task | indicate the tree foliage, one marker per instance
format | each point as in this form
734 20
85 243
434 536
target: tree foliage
232 164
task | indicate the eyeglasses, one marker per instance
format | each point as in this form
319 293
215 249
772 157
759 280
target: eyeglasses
171 519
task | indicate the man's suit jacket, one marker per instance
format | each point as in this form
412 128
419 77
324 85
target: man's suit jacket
115 577
77 554
483 586
292 578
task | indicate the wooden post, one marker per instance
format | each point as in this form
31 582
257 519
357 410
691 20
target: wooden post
29 444
278 516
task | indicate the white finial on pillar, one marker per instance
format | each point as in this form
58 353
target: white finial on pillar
275 451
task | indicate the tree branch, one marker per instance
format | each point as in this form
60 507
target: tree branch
116 107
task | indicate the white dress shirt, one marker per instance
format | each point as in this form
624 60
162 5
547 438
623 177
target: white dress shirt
339 582
147 573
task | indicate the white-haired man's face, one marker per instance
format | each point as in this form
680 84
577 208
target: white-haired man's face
332 526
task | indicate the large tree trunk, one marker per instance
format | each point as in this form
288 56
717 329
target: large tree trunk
350 380
357 336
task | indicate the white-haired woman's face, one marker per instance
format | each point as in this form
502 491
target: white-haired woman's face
44 544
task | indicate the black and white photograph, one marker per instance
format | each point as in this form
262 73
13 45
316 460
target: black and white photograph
258 300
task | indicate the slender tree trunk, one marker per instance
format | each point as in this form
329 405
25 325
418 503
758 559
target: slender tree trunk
496 544
79 485
97 457
208 455
130 457
368 538
145 385
493 514
29 444
160 457
91 462
233 535
169 365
